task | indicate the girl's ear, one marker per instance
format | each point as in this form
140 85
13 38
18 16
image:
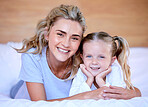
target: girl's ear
112 60
81 56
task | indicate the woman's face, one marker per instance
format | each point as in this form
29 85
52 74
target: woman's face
64 39
97 56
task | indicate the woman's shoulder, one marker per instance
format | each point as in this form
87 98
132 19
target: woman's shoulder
30 53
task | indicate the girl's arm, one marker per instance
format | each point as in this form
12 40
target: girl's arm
90 77
100 77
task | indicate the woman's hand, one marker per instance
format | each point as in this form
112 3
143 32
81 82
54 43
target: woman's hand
120 93
95 94
90 77
100 77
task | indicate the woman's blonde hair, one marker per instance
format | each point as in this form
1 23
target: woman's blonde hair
120 49
39 42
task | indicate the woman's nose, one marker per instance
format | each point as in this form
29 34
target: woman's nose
66 42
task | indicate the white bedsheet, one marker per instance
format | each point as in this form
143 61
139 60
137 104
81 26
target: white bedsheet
135 102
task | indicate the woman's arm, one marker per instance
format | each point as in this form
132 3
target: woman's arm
114 93
95 94
37 92
121 93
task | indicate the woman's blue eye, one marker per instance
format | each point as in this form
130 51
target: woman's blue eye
75 38
60 34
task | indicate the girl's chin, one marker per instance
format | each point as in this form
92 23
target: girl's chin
95 73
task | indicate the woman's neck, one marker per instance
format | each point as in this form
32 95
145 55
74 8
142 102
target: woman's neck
58 68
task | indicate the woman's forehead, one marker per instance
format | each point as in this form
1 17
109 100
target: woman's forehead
68 25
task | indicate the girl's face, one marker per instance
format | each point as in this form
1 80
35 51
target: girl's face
64 39
97 56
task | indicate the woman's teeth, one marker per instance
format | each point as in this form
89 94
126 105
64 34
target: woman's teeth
62 50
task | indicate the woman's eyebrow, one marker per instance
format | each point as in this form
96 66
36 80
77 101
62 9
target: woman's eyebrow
66 33
61 31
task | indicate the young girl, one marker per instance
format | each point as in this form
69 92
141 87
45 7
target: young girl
98 52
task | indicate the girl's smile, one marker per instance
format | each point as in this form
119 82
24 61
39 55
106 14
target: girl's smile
96 56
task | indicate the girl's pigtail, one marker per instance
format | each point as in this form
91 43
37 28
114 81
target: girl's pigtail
122 54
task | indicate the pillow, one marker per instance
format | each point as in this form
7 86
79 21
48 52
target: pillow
10 63
138 61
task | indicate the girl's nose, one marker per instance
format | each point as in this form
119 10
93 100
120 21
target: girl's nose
95 61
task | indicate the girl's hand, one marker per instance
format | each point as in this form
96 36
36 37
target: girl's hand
121 93
100 77
90 77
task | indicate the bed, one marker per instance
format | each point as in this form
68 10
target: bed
10 62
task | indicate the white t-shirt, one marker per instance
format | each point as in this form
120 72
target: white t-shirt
35 69
114 78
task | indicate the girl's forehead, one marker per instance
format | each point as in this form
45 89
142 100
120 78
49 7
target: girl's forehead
97 41
97 44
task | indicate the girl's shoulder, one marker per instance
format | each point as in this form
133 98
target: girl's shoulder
81 75
116 65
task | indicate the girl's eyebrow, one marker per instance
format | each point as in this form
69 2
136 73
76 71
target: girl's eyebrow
66 33
76 35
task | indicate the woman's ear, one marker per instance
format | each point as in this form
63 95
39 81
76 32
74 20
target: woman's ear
112 60
46 33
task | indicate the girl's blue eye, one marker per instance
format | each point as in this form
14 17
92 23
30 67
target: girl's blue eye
102 57
88 56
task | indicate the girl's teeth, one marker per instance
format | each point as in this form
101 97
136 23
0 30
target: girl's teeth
63 50
94 68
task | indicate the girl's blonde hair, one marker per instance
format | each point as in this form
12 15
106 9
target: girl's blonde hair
39 42
120 49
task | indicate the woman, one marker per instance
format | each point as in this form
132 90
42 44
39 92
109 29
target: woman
51 59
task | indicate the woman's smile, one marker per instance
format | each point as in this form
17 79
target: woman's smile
64 39
63 50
